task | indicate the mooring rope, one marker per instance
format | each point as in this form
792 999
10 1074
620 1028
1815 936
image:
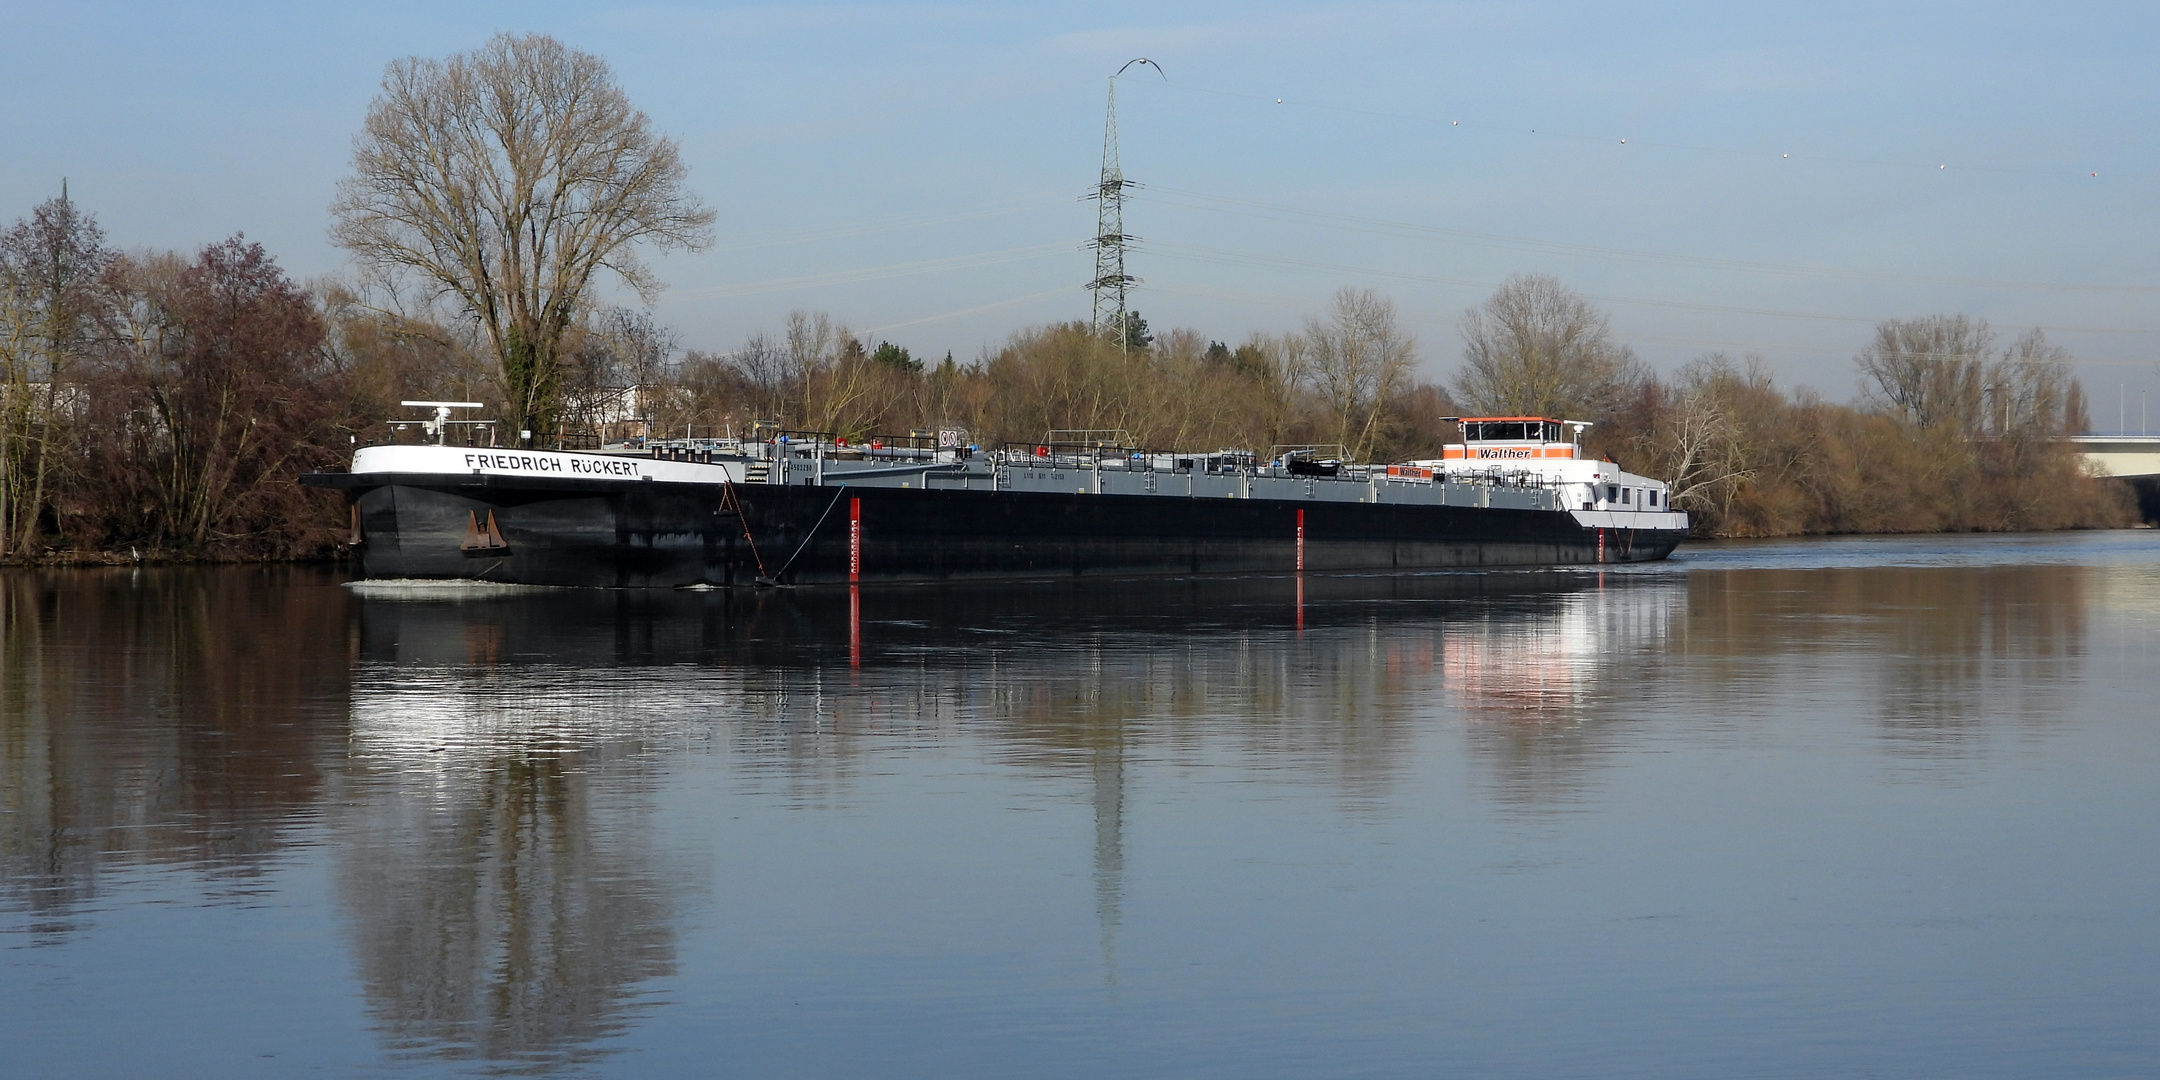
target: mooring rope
808 536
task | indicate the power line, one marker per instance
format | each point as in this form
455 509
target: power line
1235 258
1385 227
1061 290
876 273
849 230
2086 171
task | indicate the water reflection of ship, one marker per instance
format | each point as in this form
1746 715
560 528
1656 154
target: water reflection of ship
1542 670
1542 698
810 628
1066 681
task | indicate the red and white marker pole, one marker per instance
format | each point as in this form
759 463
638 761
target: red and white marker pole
854 541
1301 539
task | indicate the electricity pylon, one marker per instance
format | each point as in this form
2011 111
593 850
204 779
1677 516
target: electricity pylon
1111 280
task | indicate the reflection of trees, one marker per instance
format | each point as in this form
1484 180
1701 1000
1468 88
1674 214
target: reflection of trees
494 862
164 716
1934 653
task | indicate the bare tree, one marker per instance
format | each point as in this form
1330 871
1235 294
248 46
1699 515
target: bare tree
2034 395
1930 371
389 351
508 178
1700 438
51 296
1359 355
617 368
829 372
1537 348
1064 376
1280 366
763 365
214 394
621 346
810 337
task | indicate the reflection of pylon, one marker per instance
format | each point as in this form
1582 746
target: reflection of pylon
1111 280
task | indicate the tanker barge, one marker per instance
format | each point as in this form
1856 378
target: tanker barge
807 509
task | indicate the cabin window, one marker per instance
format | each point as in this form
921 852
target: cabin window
1653 498
1624 493
1612 493
1552 432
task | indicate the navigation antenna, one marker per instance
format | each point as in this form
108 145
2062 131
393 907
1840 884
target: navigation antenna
1111 279
439 428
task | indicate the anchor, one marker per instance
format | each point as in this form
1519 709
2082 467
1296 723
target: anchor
479 541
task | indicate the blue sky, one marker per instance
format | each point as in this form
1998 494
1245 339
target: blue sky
915 169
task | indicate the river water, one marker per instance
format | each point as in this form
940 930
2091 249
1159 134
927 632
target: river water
1883 807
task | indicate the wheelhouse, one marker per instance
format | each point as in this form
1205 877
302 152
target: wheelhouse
1515 438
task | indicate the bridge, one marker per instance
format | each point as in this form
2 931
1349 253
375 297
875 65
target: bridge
2132 458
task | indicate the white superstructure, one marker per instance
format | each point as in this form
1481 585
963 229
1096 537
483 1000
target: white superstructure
1548 453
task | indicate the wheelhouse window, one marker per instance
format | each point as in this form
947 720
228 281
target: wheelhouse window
1504 431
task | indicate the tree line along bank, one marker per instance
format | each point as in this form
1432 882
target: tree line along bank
163 405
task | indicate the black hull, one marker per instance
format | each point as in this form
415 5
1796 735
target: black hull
651 535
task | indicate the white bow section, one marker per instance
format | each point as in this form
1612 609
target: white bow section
550 464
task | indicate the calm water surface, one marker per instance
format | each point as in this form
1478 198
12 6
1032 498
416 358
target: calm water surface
1830 808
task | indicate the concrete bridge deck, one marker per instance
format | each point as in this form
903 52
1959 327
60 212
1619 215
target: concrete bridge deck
2134 458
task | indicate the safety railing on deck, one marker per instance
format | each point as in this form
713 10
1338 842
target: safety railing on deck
1070 455
773 444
